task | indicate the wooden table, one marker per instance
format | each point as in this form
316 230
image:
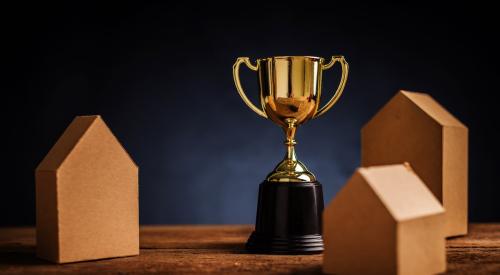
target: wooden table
219 249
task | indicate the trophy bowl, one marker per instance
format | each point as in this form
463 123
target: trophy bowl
290 87
290 198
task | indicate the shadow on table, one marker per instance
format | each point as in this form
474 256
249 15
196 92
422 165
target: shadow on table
20 255
308 270
239 248
229 246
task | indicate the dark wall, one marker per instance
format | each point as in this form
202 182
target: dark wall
161 77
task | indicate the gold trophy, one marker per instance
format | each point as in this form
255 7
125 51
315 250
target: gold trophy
290 198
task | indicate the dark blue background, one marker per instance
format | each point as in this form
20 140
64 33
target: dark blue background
161 77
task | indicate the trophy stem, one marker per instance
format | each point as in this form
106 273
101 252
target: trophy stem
290 142
290 169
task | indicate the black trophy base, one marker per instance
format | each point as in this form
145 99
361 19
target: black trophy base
288 219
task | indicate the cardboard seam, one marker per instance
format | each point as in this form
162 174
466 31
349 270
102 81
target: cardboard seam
56 177
437 213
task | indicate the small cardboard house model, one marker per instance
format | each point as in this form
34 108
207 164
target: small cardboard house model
414 128
87 196
384 221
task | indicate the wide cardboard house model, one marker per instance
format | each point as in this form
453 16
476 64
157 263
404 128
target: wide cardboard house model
413 127
384 221
87 196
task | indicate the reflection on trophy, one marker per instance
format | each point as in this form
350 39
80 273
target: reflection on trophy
290 198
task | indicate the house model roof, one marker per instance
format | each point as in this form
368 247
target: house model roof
398 105
432 108
80 127
401 191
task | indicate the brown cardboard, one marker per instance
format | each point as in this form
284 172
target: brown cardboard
413 127
384 221
87 196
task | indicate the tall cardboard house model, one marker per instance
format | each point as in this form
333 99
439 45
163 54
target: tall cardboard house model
413 127
384 221
87 196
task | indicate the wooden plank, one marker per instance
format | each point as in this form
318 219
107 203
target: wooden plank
220 248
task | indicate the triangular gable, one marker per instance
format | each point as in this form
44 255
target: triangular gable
71 137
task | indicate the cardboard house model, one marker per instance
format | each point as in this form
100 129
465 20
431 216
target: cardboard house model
414 128
384 221
87 196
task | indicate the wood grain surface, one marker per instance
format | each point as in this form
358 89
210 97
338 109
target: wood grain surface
220 249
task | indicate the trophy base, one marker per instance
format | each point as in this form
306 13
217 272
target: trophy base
307 244
288 219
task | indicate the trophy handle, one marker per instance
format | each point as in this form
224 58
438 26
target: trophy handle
236 76
340 88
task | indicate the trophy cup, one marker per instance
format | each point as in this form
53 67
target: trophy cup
290 198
